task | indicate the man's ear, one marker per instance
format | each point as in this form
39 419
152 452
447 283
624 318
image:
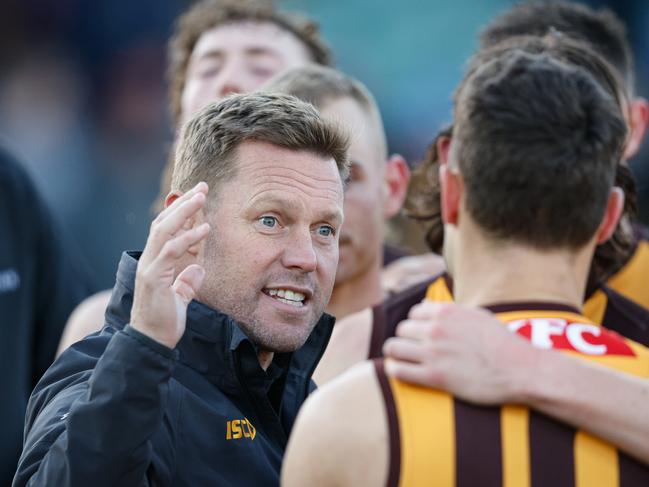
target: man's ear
443 144
450 184
638 122
397 176
612 215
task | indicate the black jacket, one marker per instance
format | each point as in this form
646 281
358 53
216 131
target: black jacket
42 279
119 409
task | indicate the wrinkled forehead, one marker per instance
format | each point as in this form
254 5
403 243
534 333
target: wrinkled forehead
265 170
254 37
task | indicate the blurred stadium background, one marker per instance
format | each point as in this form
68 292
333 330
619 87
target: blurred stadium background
83 96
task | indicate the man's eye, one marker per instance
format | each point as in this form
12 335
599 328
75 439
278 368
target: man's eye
268 221
325 231
262 72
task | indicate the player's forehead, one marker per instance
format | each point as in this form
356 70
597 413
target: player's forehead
367 137
263 37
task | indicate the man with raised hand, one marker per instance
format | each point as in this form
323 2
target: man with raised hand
527 194
221 47
214 330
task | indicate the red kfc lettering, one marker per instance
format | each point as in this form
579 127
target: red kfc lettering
584 338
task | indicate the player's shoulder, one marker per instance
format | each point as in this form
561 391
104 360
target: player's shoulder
345 415
641 232
87 318
389 313
625 316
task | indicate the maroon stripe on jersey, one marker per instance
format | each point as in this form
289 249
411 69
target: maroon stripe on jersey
478 447
625 317
632 472
394 469
378 327
387 315
551 452
531 306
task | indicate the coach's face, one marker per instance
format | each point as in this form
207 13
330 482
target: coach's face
271 256
238 57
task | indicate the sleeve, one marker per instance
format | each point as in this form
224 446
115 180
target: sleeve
110 429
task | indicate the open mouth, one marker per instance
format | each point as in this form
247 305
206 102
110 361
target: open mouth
287 296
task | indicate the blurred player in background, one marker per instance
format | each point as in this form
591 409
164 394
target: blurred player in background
42 279
376 187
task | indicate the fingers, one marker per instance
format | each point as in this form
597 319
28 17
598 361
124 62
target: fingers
175 248
413 373
406 350
189 282
416 329
167 225
429 309
201 187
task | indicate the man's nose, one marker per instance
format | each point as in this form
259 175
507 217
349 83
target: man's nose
300 253
231 80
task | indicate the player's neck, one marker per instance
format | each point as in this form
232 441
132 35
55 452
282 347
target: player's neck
512 273
357 293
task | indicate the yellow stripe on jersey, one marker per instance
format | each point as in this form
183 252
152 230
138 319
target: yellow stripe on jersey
596 462
439 292
515 446
632 280
595 306
427 419
425 414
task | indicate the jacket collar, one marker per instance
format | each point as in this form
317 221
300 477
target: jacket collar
213 343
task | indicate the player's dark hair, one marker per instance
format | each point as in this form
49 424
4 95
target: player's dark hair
555 141
601 29
423 202
537 141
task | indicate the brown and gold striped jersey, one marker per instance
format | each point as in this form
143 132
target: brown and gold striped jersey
604 306
437 440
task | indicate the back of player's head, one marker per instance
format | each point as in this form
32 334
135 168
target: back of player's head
536 140
321 85
208 14
601 29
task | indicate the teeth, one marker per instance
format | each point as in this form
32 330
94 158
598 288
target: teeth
286 295
297 304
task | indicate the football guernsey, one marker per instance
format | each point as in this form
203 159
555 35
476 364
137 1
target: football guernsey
604 306
437 440
632 280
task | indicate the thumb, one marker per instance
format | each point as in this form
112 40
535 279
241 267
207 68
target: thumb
189 282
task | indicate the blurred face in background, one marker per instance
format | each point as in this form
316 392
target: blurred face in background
361 237
238 58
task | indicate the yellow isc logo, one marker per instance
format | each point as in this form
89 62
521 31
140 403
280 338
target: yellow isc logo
240 428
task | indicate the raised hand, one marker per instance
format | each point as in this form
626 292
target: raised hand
161 298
